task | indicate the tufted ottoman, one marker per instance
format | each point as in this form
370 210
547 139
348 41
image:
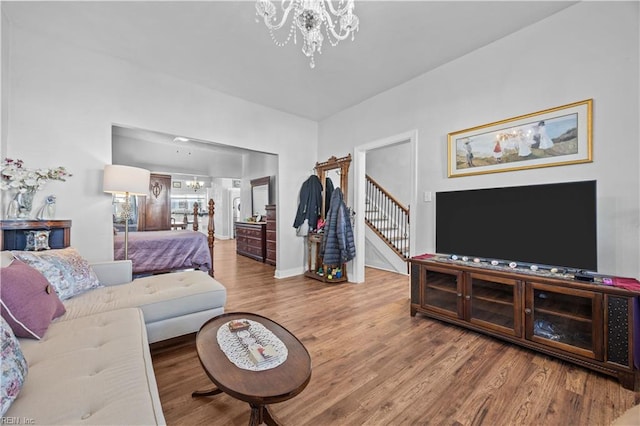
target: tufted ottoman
173 304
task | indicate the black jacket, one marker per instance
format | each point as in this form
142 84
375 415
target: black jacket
310 203
328 192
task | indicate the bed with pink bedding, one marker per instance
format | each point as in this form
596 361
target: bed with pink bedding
163 251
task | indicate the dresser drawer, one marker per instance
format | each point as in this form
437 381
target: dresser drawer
271 212
251 233
251 239
242 241
256 251
271 258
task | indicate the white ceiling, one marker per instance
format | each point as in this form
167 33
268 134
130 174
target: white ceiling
160 152
218 44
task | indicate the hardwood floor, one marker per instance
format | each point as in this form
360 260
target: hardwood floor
373 364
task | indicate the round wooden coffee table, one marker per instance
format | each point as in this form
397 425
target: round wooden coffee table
258 388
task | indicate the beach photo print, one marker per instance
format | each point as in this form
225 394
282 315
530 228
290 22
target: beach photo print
553 137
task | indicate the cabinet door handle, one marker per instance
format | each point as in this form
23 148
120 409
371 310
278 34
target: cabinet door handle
467 297
527 311
459 294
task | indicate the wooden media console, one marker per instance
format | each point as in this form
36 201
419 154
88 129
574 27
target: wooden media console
589 324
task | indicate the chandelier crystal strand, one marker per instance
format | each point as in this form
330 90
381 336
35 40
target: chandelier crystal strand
309 16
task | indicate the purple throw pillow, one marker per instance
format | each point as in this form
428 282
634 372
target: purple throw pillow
29 303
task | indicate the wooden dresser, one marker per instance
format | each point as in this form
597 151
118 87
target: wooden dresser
251 239
271 235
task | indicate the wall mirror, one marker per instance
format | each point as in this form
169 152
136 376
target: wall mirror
259 197
337 170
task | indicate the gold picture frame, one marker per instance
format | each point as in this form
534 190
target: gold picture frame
552 137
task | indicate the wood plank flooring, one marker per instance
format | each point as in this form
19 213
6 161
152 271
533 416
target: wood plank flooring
373 364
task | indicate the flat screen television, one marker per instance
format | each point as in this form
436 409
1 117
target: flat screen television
547 225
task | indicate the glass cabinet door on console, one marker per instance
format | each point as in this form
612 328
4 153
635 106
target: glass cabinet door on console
494 303
442 291
565 318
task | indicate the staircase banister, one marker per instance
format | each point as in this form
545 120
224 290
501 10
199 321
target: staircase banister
391 197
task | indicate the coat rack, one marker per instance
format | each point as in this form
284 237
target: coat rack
315 268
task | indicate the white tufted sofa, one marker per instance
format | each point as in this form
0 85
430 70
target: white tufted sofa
93 366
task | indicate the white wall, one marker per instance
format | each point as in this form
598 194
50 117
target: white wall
219 193
63 101
589 50
257 165
223 209
59 103
4 84
390 166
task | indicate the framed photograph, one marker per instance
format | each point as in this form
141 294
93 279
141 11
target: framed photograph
177 184
553 137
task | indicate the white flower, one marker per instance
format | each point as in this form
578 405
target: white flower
14 176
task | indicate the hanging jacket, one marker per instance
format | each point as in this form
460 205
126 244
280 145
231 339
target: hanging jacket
310 203
328 192
338 244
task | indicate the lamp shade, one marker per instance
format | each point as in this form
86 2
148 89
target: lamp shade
122 179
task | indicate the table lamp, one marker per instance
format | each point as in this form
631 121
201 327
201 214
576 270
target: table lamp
128 181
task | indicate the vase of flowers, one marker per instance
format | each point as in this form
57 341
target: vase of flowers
25 183
24 203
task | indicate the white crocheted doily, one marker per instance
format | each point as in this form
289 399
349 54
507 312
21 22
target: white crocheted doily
236 345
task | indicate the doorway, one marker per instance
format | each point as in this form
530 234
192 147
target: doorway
360 171
234 203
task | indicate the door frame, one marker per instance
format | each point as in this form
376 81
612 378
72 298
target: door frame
359 176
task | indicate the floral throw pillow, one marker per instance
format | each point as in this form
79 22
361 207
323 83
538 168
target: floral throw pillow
37 240
14 367
67 271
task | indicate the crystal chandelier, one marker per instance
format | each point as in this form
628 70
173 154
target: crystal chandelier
309 16
195 184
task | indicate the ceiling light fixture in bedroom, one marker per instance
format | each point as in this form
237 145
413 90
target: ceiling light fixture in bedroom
309 16
195 184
